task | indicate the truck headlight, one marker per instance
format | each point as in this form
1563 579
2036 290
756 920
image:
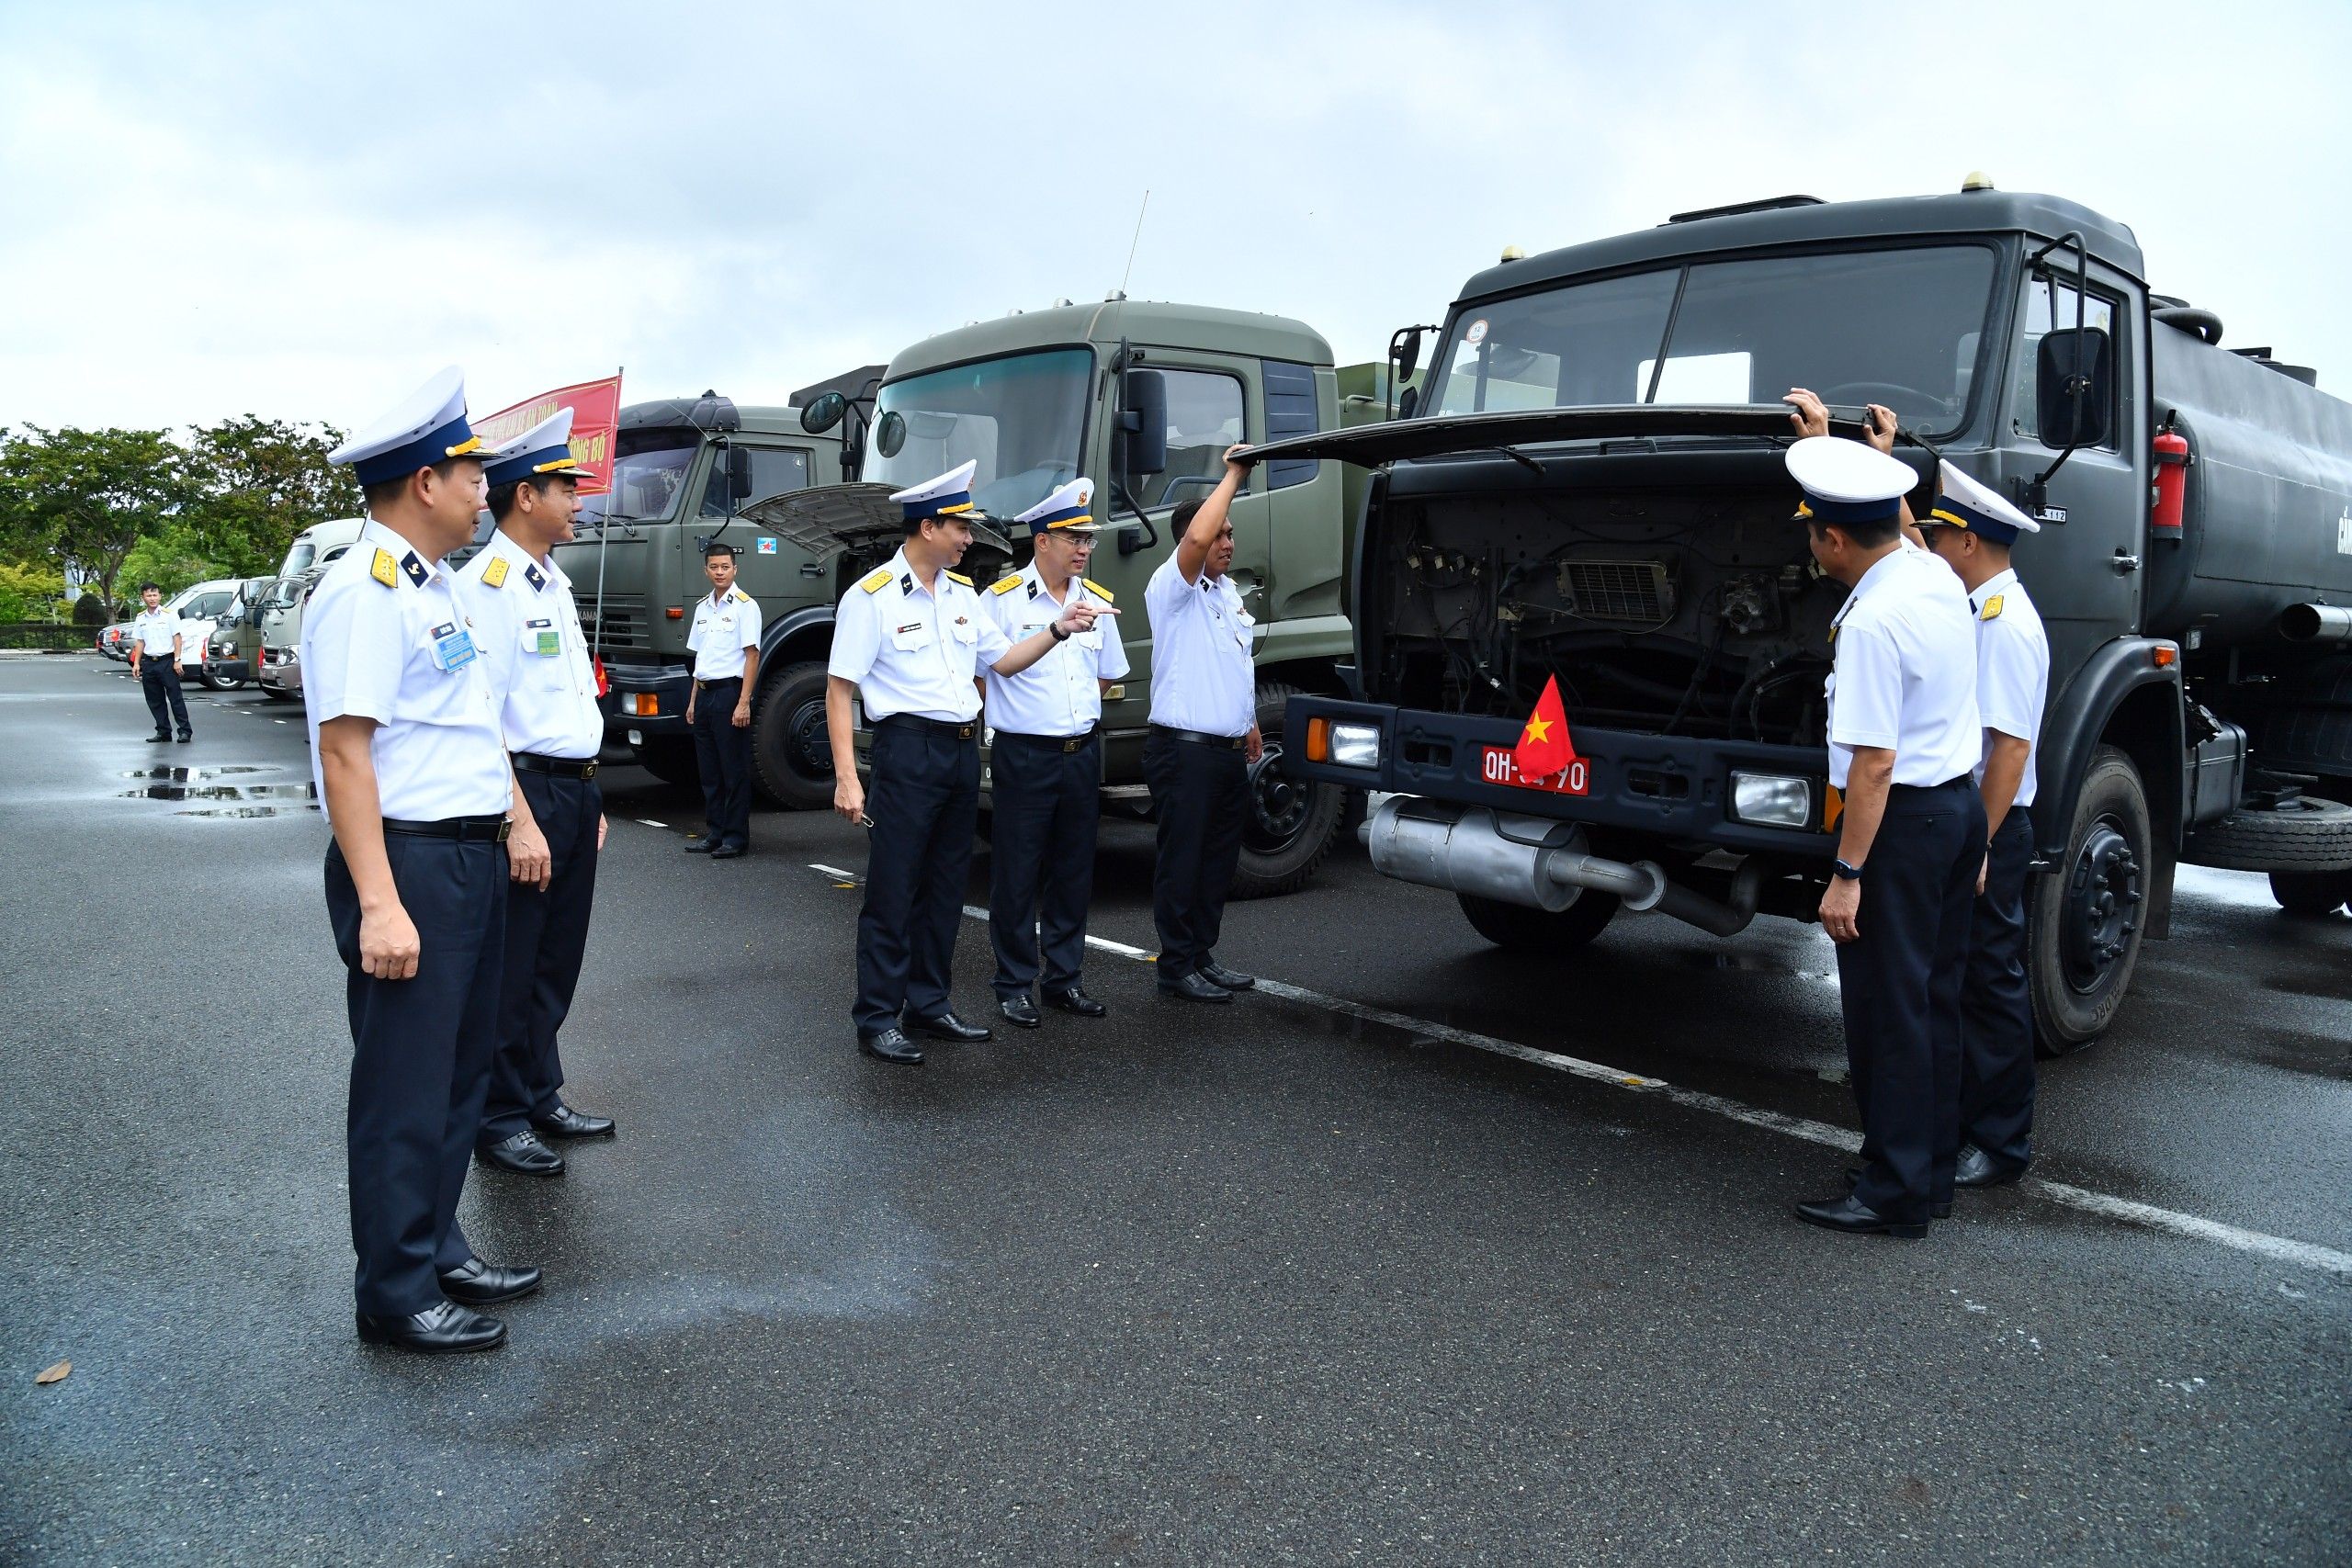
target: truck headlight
1355 745
1772 800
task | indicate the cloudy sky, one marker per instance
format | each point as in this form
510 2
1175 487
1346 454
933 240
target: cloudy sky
301 210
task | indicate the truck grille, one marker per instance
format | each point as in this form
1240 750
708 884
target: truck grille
1636 591
625 622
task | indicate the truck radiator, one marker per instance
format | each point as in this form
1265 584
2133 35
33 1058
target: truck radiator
1637 593
625 624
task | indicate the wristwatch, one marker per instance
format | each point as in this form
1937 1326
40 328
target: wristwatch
1059 635
1848 872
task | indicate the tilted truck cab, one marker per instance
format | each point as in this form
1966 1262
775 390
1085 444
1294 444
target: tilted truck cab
1593 490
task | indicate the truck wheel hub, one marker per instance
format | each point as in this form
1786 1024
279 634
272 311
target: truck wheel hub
807 746
1278 805
2102 910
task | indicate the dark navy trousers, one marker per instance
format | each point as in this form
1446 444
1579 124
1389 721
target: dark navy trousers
723 754
420 1063
159 682
547 935
1995 1010
1899 984
1046 798
923 800
1201 792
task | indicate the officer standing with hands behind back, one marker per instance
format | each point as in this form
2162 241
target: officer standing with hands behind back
909 640
725 642
1902 744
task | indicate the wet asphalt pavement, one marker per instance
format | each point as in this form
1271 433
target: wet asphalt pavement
1309 1278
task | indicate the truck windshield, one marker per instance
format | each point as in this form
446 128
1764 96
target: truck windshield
649 470
298 558
1899 327
1021 417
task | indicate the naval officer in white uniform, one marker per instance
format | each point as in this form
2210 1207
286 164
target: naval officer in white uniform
408 754
1903 738
1046 764
1972 529
527 627
910 641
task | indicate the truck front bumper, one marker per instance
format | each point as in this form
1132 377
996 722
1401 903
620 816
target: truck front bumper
636 688
1666 788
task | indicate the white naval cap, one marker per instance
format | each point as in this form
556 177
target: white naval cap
946 496
1070 509
1966 503
1846 481
428 426
540 452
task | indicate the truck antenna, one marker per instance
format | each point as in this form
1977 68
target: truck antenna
1140 211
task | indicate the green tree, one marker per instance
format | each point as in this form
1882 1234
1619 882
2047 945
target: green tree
88 497
259 482
30 592
172 557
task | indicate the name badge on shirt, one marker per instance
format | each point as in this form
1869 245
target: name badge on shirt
453 648
539 637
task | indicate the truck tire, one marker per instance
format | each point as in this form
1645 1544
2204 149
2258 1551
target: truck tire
2305 835
1523 930
792 757
2312 893
217 683
274 695
1292 824
671 759
2083 918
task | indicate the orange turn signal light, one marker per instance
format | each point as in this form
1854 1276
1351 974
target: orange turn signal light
1318 739
2166 656
644 705
676 612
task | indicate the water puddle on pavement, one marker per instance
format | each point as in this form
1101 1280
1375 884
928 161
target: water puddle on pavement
192 775
223 791
247 811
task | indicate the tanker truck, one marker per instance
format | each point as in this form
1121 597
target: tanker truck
1593 490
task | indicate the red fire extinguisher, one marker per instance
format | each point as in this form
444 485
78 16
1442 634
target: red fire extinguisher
2172 482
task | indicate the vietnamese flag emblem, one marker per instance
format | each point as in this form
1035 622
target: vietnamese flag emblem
604 685
1543 746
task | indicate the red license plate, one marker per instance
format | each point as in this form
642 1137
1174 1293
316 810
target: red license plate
1499 769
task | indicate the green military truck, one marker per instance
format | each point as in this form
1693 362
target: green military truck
1145 398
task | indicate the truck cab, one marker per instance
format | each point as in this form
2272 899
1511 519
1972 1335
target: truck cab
1593 491
277 620
1145 398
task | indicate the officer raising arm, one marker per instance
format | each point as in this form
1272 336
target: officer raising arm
1810 416
911 638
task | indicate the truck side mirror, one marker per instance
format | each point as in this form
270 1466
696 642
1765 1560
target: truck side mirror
1407 354
1143 423
824 413
2073 413
739 472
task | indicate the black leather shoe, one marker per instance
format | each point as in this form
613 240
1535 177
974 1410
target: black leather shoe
1231 979
1194 988
478 1284
1854 1218
946 1026
1977 1168
185 739
161 734
893 1046
442 1329
523 1153
701 846
727 852
1076 1001
1020 1013
565 1123
1935 1210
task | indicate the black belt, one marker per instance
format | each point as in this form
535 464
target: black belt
1201 737
701 684
490 830
562 767
1050 742
963 731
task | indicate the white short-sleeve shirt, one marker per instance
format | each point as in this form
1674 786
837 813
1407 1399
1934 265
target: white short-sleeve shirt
2012 671
1202 641
1906 675
1062 692
154 631
725 625
527 627
912 649
392 652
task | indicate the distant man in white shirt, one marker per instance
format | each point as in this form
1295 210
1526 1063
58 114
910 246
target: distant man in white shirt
725 642
1971 528
540 671
1203 737
1903 740
1046 764
155 660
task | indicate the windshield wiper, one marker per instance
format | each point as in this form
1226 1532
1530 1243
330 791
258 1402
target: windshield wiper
1516 455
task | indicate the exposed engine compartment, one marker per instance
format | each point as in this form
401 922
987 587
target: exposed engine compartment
1684 610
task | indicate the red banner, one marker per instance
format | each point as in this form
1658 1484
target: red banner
596 419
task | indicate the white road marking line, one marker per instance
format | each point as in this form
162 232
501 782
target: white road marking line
2278 1250
838 874
650 823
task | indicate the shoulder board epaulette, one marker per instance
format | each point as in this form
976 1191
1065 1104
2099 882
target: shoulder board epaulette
872 580
739 596
1992 611
1005 584
1099 591
494 574
961 578
385 570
